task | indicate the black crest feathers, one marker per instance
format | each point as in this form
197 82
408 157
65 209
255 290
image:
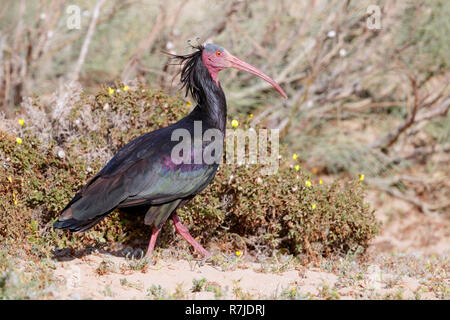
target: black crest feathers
191 63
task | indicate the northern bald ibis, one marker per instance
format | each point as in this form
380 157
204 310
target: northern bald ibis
143 175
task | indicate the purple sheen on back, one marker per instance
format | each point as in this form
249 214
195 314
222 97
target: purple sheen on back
168 165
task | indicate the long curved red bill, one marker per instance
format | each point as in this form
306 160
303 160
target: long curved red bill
244 66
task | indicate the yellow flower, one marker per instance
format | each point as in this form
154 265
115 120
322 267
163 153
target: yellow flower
188 103
15 202
250 115
19 140
21 122
10 179
320 181
297 167
295 156
313 206
308 183
361 177
110 90
125 88
234 123
238 253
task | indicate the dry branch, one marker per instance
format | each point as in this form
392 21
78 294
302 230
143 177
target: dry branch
392 136
84 49
144 46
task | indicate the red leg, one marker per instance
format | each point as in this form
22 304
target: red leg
152 242
185 234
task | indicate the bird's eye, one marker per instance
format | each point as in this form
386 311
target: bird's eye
218 53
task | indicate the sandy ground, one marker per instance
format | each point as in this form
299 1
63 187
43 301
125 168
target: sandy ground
175 279
173 276
104 276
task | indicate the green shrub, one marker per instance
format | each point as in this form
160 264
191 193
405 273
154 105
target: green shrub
272 212
280 211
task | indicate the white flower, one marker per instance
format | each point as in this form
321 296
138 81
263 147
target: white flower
342 52
43 16
331 34
61 154
169 45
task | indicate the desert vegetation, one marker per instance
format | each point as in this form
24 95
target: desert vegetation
364 137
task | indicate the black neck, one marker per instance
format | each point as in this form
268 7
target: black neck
196 79
211 98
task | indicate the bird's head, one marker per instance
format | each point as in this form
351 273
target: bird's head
217 58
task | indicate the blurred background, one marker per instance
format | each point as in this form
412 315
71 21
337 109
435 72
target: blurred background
368 82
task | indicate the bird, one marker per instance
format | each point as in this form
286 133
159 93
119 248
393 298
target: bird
143 176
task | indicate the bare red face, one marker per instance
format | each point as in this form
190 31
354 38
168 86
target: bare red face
217 58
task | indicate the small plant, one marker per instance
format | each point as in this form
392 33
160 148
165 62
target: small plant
328 293
240 293
214 288
391 281
197 285
179 292
107 292
105 267
137 263
135 285
157 292
292 293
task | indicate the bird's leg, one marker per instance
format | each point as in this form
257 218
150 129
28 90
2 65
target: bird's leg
151 245
185 234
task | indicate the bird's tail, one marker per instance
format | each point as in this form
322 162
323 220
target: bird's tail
68 222
77 225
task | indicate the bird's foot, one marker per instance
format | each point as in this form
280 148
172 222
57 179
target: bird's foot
185 234
151 245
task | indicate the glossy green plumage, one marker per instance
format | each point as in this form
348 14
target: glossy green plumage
142 174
